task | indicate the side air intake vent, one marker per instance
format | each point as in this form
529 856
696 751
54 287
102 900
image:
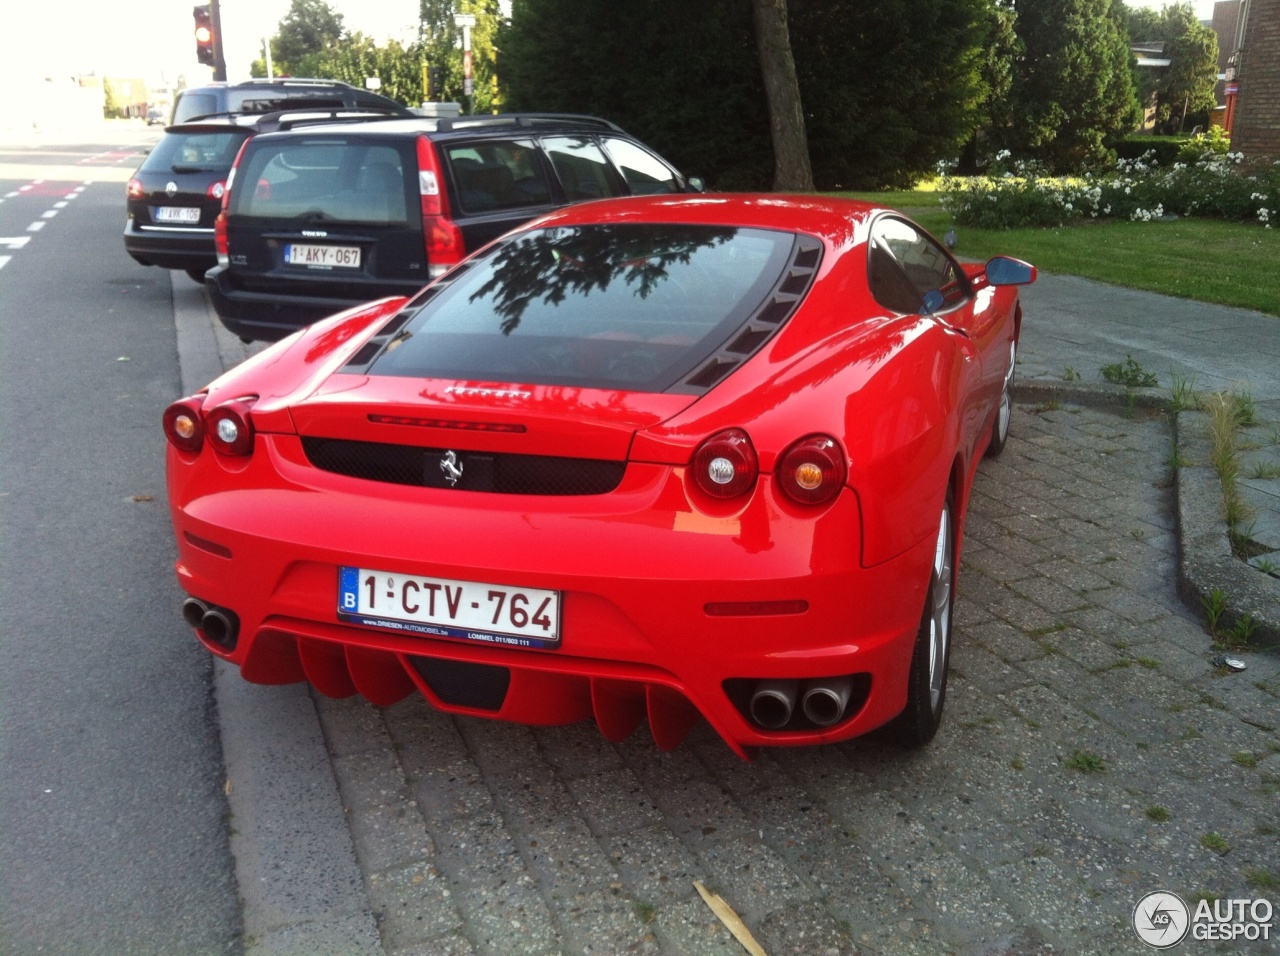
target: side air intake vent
773 313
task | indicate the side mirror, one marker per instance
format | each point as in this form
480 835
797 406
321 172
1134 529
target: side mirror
696 184
1005 270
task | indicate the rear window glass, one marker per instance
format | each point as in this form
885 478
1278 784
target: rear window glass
202 151
497 175
631 306
319 181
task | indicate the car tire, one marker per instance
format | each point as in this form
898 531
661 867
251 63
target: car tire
197 275
1004 410
931 655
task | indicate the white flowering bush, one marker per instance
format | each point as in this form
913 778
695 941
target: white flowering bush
1212 185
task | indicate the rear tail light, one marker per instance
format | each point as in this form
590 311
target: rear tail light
134 190
227 428
216 190
812 471
725 465
220 239
443 239
183 425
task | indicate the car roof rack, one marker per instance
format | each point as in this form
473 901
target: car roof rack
291 119
449 123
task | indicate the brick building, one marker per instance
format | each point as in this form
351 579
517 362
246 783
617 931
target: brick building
1255 70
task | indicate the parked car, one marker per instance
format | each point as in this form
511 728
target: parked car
155 116
665 457
175 195
318 220
262 96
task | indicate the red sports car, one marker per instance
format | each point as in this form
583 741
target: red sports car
671 458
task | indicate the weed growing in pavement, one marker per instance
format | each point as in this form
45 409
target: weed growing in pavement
1261 879
1070 375
1242 631
1265 565
1263 470
1086 762
1050 406
1017 764
1244 758
645 911
1150 663
1215 842
1158 813
1184 394
1129 373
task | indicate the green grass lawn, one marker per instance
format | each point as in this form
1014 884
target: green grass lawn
1205 259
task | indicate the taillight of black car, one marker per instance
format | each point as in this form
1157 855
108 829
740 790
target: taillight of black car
443 238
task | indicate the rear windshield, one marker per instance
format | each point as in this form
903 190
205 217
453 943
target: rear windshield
196 151
254 102
323 180
630 306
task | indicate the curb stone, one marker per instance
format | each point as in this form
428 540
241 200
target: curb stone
1205 560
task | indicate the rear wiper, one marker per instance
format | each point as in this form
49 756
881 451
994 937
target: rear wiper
317 215
193 169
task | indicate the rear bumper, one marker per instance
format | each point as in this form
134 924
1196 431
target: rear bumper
645 580
270 316
170 248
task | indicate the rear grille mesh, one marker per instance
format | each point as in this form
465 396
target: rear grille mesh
480 471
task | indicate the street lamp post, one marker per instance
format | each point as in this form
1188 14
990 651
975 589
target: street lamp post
466 21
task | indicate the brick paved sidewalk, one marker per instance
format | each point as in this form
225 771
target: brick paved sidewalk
1090 754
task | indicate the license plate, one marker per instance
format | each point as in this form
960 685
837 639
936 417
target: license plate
491 613
183 214
323 257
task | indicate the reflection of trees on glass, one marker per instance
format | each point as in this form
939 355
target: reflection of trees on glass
550 264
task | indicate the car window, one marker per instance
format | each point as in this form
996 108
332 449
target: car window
581 167
632 305
323 181
645 174
194 104
497 175
207 150
905 264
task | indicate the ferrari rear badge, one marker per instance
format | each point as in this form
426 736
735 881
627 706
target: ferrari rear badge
451 467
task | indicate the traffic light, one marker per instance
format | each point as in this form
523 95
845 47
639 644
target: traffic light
435 82
204 35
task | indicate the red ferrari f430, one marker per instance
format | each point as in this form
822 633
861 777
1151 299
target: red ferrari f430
660 459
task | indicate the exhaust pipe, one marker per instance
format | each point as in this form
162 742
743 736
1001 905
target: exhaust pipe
825 700
220 626
773 702
193 611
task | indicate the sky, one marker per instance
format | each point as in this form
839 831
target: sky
153 38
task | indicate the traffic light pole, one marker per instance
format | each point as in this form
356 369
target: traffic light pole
219 61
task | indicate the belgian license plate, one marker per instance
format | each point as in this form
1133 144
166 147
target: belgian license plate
323 257
491 613
187 215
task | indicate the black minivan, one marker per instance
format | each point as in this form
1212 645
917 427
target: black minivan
319 220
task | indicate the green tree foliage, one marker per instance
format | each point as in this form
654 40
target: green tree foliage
439 39
887 88
1073 90
890 88
305 34
1185 90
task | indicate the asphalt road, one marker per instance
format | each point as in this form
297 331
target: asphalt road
114 833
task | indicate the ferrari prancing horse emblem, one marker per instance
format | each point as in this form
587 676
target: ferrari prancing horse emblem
451 467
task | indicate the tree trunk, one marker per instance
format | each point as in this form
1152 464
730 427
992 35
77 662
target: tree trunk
791 170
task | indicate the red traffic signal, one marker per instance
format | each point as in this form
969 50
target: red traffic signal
204 35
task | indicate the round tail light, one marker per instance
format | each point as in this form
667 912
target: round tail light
725 465
812 471
229 429
183 425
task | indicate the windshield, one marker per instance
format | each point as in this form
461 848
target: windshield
634 306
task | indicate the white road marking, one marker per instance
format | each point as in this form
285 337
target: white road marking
48 214
4 261
14 242
36 226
